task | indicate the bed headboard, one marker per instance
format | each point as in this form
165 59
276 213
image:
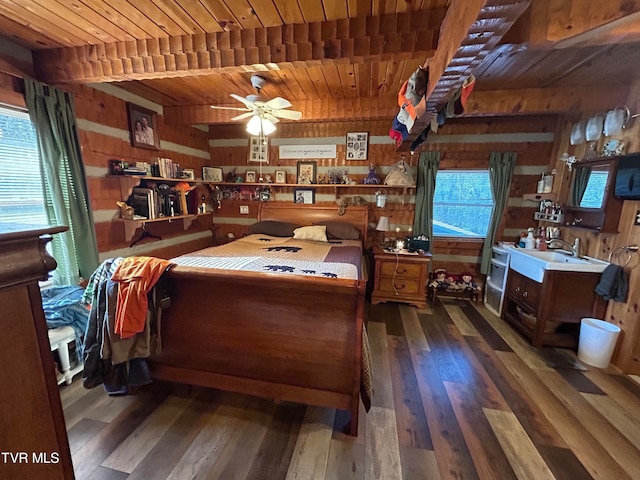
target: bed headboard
308 214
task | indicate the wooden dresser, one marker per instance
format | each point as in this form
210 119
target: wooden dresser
33 437
400 278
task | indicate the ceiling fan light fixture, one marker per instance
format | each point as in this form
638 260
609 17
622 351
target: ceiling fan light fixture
258 125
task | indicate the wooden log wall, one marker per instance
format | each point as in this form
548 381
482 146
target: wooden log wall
463 143
626 315
103 131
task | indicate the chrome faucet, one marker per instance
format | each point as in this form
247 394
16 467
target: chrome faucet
574 249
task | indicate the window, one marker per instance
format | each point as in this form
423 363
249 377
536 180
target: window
21 191
462 203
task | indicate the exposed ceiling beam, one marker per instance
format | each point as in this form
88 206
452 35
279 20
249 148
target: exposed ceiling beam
529 101
410 35
471 29
367 108
544 100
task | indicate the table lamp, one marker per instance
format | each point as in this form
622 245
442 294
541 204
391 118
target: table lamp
383 226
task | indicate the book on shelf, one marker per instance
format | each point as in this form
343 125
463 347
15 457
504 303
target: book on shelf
143 202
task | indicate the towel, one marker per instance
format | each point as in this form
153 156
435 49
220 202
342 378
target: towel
614 284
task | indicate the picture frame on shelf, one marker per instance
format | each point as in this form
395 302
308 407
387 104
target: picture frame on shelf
188 174
357 145
306 172
281 176
258 149
143 127
250 176
304 195
212 174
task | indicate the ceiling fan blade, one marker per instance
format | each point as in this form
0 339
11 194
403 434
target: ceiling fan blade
273 119
231 108
248 103
243 116
277 103
288 114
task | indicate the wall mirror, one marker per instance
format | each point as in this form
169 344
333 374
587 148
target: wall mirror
590 202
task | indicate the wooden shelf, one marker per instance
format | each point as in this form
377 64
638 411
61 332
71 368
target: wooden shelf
538 197
322 186
129 182
130 226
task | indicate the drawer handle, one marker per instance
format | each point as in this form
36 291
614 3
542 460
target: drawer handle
524 294
517 289
399 287
404 270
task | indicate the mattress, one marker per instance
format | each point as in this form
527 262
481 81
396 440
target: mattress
284 255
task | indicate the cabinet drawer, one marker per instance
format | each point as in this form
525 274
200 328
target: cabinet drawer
500 255
498 273
402 270
402 285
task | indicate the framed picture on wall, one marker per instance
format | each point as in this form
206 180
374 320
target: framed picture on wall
143 127
306 172
212 174
357 145
304 195
281 176
258 149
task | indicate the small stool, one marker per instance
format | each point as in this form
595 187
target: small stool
60 338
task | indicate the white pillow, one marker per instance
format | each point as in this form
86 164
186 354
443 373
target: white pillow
317 233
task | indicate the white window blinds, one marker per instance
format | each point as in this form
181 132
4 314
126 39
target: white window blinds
21 190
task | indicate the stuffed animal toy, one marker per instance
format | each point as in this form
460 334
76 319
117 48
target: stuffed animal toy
439 281
126 211
371 178
344 202
467 284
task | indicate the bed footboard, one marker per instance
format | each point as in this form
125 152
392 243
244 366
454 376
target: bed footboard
276 336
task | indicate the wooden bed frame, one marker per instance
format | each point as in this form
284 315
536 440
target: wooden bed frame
272 335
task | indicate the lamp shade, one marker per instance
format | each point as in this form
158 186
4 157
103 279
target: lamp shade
258 125
383 224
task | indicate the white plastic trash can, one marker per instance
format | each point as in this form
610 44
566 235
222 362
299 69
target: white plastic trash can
597 341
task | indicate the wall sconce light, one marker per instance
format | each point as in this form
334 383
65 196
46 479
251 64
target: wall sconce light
569 160
381 200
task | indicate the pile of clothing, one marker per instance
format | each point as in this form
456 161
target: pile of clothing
120 333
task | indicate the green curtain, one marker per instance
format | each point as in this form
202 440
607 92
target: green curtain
580 180
425 188
500 172
52 112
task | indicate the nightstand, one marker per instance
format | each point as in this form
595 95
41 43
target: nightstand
400 278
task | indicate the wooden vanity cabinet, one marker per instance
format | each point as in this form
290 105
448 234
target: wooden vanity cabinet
549 313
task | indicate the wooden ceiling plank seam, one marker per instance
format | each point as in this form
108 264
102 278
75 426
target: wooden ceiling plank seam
69 20
110 15
289 11
221 13
124 9
31 38
312 11
333 79
199 14
267 12
31 21
181 18
244 13
155 14
335 9
83 13
359 8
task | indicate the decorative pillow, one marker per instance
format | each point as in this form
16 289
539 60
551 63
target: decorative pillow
273 228
317 233
340 230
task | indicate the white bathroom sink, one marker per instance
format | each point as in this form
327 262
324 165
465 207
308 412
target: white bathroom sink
533 263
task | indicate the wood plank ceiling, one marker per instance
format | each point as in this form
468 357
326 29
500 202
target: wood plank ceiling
324 56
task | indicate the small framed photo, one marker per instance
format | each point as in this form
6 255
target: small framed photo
258 149
281 176
212 174
357 145
304 195
306 172
250 176
188 174
143 127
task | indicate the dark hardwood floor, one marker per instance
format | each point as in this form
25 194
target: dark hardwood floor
458 395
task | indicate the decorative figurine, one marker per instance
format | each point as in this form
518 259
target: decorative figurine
371 178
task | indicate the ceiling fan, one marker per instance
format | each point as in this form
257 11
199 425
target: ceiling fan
264 114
